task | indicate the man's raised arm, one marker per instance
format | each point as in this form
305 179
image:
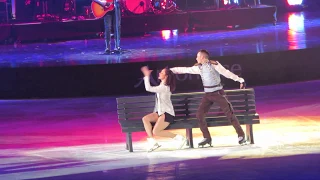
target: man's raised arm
185 70
228 74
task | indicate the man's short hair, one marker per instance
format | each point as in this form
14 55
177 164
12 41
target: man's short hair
205 53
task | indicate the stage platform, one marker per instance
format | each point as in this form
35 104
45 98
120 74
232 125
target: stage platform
263 55
138 24
80 138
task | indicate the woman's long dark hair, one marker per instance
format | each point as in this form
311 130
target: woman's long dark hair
171 79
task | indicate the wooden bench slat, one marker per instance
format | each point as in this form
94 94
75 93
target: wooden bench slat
151 98
196 102
138 116
213 115
191 109
242 119
228 92
146 101
215 105
135 105
218 110
200 96
141 129
194 122
142 111
136 99
186 125
177 104
189 124
145 105
136 110
230 98
141 114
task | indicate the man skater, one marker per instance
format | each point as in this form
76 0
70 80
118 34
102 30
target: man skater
210 74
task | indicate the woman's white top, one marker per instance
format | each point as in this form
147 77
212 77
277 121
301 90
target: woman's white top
163 94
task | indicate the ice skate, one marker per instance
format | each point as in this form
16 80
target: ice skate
152 145
242 141
205 141
180 141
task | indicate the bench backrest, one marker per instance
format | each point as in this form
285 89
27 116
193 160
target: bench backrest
186 105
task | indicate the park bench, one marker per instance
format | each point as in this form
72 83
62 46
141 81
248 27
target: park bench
132 109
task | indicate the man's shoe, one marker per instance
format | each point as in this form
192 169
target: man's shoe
205 141
242 140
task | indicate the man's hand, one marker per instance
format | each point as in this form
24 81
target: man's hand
242 85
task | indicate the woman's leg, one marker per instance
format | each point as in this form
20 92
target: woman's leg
147 120
158 129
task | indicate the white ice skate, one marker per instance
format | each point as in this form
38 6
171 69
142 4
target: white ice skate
180 141
152 145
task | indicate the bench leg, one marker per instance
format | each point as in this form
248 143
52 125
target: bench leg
249 133
129 142
187 144
189 137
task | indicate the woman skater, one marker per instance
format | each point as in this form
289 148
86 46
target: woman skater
163 113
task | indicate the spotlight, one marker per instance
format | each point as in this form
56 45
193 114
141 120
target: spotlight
294 2
287 5
295 5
